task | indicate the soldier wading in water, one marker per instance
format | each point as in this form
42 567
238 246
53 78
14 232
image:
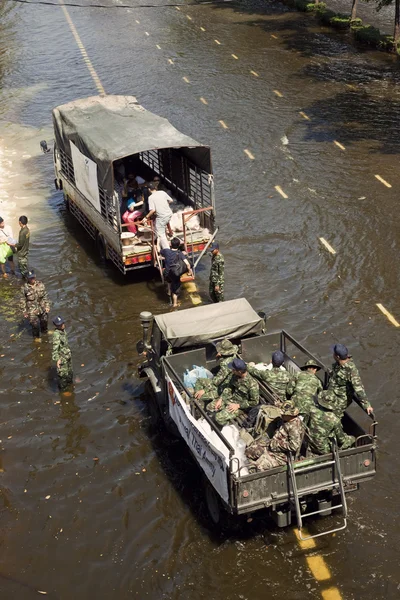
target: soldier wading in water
217 274
62 355
35 304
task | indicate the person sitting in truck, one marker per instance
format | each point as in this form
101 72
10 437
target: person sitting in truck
304 386
325 426
287 439
132 215
206 389
276 378
240 393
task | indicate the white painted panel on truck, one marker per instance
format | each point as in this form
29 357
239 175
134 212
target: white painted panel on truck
85 176
212 460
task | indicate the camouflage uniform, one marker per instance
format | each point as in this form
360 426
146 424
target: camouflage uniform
61 351
302 388
287 438
217 277
35 304
325 426
344 381
214 387
275 378
243 391
22 247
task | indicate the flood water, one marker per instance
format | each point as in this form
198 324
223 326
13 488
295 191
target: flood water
133 523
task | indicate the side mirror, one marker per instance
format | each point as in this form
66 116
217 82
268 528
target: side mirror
140 347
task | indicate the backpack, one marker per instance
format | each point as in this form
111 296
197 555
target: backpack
178 267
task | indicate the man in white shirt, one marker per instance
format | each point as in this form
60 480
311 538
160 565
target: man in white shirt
159 206
6 238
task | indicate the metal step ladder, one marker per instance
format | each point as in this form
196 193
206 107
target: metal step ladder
337 482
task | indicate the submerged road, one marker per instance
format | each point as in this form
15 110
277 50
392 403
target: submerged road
304 135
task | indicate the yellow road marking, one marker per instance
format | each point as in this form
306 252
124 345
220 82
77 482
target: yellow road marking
217 42
281 192
171 62
177 8
388 315
254 73
158 46
331 594
223 124
202 28
191 287
303 114
186 79
318 568
327 245
352 87
249 154
274 36
235 57
277 92
196 299
339 145
304 544
189 17
81 47
379 178
203 100
147 33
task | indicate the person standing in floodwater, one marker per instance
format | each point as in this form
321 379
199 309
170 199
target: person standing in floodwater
22 247
62 355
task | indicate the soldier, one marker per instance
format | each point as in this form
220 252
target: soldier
287 439
62 354
241 393
304 386
35 304
210 389
345 383
325 426
217 274
22 247
275 378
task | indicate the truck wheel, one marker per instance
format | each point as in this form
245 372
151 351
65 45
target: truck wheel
213 503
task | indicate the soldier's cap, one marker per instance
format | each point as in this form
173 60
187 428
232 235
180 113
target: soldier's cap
226 348
1 220
278 358
238 364
58 321
325 403
341 351
31 274
310 363
214 246
289 409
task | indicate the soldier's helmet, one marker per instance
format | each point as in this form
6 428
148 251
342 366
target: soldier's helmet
310 363
238 365
31 274
278 358
325 403
289 409
58 321
226 348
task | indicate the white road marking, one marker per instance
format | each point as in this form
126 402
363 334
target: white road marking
281 192
203 100
223 124
339 145
327 245
379 178
388 315
249 154
303 114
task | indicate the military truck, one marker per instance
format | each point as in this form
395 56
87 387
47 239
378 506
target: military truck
174 342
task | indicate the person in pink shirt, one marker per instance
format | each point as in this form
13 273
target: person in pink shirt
131 215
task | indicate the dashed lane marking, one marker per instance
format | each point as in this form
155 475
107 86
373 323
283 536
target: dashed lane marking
331 594
147 33
318 568
158 46
203 100
223 124
202 28
388 315
304 544
186 79
278 93
235 57
249 154
303 114
177 8
254 73
339 145
137 21
281 192
189 17
171 62
379 178
217 42
81 47
327 245
274 36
